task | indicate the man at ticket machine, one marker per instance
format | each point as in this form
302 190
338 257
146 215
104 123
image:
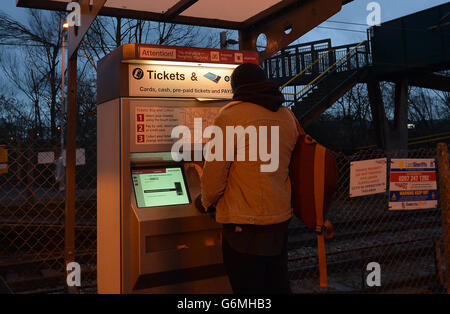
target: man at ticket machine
252 197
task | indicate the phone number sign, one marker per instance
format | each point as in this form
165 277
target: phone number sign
412 184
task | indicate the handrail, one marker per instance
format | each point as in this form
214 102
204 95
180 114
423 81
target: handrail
304 70
329 69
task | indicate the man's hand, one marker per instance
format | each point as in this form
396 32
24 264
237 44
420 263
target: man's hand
199 205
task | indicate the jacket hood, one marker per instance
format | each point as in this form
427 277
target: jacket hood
265 94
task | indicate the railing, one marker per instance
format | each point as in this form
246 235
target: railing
305 70
311 60
294 59
354 59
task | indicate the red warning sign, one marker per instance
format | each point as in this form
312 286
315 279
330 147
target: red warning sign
188 54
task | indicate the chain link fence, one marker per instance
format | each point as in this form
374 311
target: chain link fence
32 213
86 220
32 218
406 244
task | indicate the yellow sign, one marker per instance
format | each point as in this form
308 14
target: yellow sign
3 161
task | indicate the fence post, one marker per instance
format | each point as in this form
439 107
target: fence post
70 166
444 193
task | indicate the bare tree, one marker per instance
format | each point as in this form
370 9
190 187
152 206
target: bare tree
108 33
33 67
444 104
15 119
39 43
423 107
30 83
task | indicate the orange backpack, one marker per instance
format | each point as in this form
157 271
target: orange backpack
314 176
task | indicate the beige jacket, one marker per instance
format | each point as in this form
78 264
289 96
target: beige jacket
242 193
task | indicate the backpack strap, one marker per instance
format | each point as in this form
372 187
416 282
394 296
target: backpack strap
319 190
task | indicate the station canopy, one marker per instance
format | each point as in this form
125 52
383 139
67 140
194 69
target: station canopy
231 14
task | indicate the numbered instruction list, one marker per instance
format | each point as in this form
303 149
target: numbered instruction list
154 124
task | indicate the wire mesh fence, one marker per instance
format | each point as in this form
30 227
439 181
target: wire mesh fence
86 219
405 243
32 218
32 213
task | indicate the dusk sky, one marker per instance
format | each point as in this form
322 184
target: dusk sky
354 12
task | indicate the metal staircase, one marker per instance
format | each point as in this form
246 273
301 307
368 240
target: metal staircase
323 80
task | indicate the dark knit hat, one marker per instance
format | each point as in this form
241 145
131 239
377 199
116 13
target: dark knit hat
247 73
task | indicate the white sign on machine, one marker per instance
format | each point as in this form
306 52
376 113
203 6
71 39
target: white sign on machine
162 80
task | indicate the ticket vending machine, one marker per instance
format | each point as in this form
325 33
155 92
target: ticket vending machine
151 238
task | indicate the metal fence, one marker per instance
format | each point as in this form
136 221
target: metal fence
293 60
32 218
406 244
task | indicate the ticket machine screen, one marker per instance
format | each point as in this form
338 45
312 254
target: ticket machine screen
160 186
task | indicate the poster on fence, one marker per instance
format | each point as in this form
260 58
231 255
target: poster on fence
412 184
368 177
